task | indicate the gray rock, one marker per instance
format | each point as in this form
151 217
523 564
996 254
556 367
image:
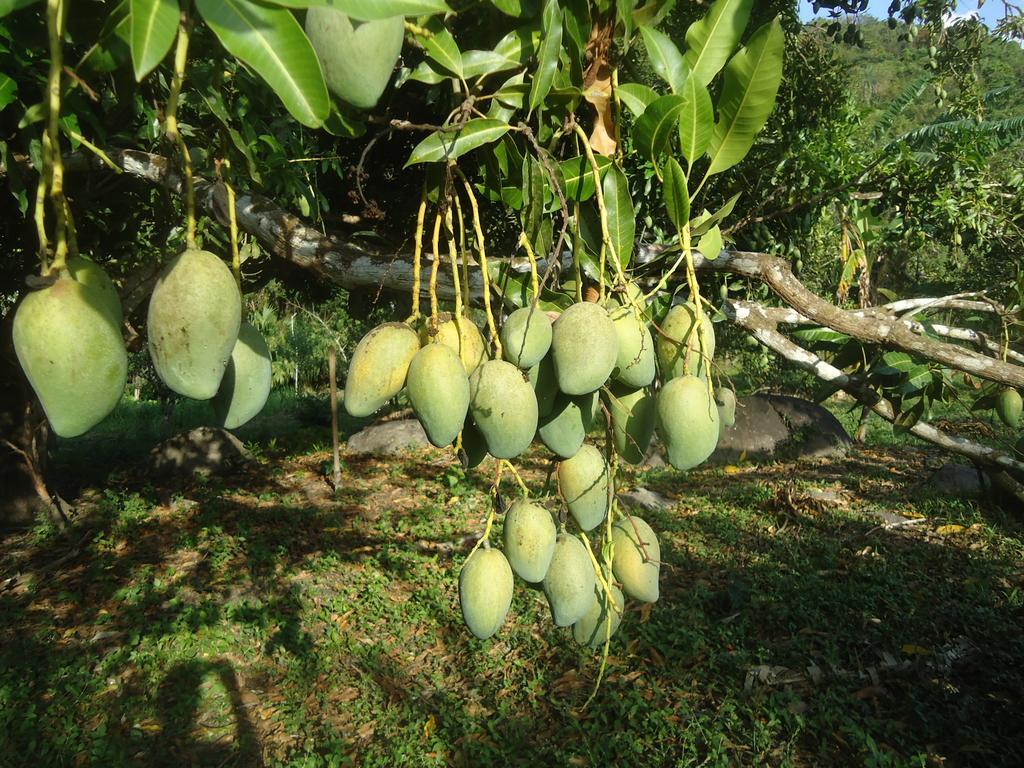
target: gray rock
390 438
203 451
960 480
782 427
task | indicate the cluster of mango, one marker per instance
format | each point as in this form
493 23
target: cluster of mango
68 339
552 380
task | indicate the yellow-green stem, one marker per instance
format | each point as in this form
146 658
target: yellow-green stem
453 254
418 254
534 280
436 243
174 134
482 250
52 157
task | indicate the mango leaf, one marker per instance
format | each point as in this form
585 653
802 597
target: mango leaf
701 224
428 72
442 48
451 144
636 97
820 336
8 90
894 364
908 416
154 25
677 196
621 214
271 41
476 63
665 58
578 24
371 10
696 120
8 6
752 80
547 60
509 99
655 126
517 8
624 12
918 378
711 40
710 244
215 103
516 287
534 187
651 14
578 176
520 44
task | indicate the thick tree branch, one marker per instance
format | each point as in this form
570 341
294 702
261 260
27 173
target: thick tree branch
755 319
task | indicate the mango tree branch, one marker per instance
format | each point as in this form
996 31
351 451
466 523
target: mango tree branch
755 319
354 264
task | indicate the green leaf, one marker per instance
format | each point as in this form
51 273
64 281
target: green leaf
636 97
651 14
701 224
8 90
271 41
710 244
442 48
752 80
547 61
696 121
534 188
518 9
654 128
509 99
371 10
711 40
579 176
9 6
621 215
820 336
665 58
154 25
451 144
894 363
476 63
677 196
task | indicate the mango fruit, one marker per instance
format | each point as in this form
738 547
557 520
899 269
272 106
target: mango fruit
584 483
545 385
585 348
73 354
356 57
637 574
379 366
1009 406
438 389
504 408
633 419
529 538
194 315
465 338
247 381
474 447
485 591
687 421
92 275
725 399
678 345
569 582
526 337
592 628
635 363
565 428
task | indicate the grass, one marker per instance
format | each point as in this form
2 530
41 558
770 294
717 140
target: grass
261 619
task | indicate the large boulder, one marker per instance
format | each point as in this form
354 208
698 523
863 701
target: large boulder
390 438
206 451
782 427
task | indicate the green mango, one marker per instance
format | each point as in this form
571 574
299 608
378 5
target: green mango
678 345
504 408
545 385
474 447
529 537
584 483
194 315
357 57
438 390
569 582
635 363
379 367
465 338
72 353
247 381
92 275
585 347
592 629
633 418
565 428
725 399
637 574
526 337
1009 406
687 421
485 591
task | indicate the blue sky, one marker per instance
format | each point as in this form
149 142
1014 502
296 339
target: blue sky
990 11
